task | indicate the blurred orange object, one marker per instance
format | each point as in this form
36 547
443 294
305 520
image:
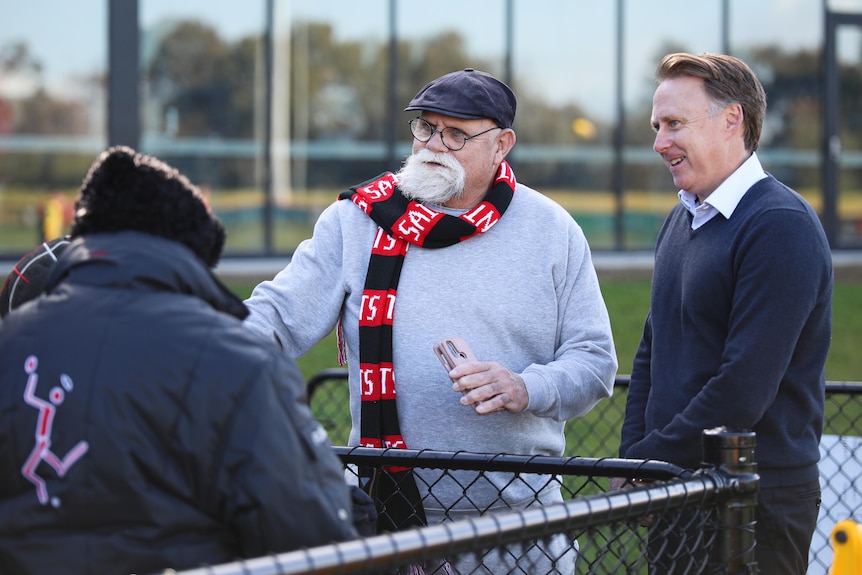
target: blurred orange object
57 214
847 547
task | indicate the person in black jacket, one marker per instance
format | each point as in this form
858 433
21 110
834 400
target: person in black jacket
142 427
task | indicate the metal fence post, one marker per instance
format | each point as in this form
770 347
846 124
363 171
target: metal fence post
730 453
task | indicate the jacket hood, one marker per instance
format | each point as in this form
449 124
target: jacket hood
139 261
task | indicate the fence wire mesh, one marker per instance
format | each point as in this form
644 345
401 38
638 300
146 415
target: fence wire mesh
597 435
671 523
660 535
666 520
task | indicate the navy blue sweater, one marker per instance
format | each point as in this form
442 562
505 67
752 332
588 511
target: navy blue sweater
737 335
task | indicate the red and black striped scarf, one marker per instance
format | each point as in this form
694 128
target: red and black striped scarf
403 222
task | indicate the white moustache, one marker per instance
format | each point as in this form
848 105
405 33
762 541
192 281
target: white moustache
438 183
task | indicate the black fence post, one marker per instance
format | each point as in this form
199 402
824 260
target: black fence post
731 455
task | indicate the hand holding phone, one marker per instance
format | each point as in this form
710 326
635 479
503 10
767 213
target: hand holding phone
453 351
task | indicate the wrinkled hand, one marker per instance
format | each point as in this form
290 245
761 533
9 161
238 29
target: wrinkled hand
489 387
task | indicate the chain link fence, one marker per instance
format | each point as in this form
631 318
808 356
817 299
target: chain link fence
672 520
596 435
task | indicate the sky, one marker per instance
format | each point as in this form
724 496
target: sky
564 49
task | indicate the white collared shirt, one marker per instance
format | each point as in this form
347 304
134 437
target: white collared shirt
727 196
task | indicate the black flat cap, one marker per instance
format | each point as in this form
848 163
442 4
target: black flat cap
468 94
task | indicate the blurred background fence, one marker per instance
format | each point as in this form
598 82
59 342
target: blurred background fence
596 435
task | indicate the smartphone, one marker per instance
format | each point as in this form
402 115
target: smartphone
453 351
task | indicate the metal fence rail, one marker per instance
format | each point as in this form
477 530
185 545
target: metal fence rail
597 435
707 515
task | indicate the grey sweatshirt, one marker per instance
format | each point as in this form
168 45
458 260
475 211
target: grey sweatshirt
524 294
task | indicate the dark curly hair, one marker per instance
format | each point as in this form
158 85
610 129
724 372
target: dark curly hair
127 190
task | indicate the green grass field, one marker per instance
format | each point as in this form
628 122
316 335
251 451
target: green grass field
628 302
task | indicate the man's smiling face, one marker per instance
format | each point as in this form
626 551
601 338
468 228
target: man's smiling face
691 135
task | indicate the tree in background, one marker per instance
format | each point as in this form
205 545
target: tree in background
203 85
28 107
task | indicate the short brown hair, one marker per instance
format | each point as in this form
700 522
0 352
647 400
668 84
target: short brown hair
727 80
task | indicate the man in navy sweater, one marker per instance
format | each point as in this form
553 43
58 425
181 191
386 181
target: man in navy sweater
740 312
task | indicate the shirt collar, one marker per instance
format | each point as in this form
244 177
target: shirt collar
727 196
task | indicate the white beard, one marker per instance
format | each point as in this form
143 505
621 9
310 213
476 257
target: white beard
431 184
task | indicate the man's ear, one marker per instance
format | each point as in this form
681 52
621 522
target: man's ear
733 117
505 142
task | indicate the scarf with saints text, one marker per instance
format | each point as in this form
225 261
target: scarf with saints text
402 222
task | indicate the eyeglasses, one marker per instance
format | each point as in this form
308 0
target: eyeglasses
452 138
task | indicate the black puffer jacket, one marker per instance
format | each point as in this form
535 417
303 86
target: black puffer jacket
142 427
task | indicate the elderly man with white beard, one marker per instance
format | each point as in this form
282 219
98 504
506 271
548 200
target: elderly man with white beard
452 245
